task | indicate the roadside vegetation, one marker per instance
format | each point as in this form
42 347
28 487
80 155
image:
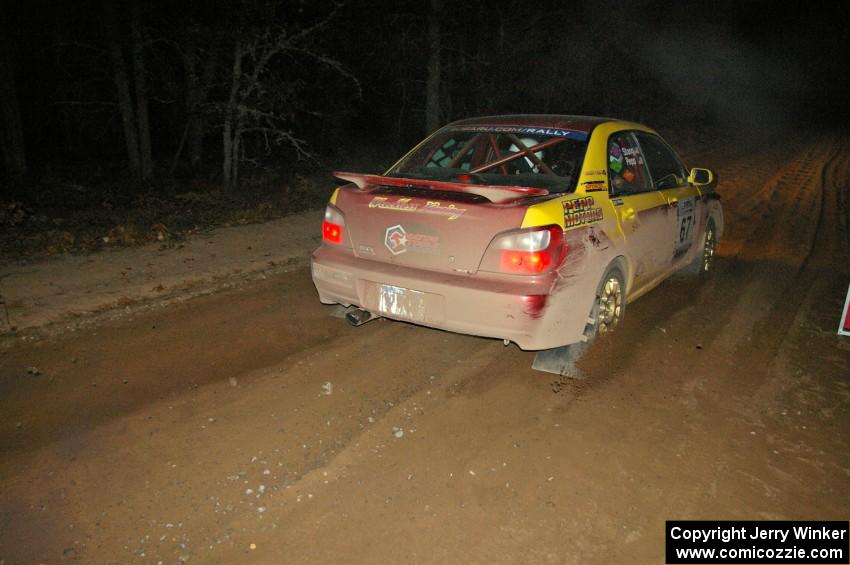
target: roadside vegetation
128 122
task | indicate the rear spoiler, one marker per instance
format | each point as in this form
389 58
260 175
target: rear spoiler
493 193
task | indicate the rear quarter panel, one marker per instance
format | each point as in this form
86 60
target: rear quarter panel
595 240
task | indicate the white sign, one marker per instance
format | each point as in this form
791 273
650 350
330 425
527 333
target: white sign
844 324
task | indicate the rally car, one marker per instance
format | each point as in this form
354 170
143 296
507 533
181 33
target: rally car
533 229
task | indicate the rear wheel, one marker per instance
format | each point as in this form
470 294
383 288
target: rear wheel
610 303
606 314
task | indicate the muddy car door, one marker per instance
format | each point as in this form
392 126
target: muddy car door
669 177
642 211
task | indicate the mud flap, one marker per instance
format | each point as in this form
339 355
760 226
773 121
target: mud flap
560 360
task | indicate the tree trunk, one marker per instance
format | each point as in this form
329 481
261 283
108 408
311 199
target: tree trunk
237 150
122 85
190 67
145 154
432 83
70 134
230 144
11 132
197 91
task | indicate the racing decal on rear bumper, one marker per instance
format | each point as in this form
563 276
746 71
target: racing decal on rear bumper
331 275
581 211
399 240
435 207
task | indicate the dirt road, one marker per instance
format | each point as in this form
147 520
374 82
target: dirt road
249 426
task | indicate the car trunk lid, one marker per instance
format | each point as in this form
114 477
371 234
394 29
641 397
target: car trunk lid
433 225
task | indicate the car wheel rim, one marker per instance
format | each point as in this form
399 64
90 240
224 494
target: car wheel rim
610 305
708 250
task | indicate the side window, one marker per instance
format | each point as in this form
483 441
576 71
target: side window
666 169
626 168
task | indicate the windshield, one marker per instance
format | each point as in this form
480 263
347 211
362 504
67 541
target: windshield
499 155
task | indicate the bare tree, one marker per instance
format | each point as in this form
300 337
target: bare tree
122 86
200 55
140 75
233 121
261 102
433 115
134 109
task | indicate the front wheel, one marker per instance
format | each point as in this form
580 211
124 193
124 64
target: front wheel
703 263
709 248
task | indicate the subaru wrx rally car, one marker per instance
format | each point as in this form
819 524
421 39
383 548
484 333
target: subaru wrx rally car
533 229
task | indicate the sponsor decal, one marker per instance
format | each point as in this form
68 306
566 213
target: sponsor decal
594 186
578 204
399 240
571 134
574 219
581 211
396 240
593 173
615 158
435 207
628 174
551 132
488 129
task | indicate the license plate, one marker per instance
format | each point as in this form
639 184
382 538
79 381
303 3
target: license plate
403 303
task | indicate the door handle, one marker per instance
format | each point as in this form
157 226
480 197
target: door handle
627 213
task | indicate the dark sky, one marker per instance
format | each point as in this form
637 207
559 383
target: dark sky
727 64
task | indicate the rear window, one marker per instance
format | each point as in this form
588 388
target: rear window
499 155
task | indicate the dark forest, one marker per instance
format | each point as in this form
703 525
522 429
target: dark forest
121 115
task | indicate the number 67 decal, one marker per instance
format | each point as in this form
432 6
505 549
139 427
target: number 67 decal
685 229
685 218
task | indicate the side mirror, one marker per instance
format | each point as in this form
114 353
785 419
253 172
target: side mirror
701 177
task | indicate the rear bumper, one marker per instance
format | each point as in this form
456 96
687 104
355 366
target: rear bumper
517 310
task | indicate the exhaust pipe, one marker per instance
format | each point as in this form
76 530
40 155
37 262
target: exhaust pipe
359 316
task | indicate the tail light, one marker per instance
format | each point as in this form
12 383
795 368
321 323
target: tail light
530 251
333 226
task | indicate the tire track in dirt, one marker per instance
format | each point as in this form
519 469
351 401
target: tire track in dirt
779 251
767 252
725 304
95 375
279 419
660 430
737 322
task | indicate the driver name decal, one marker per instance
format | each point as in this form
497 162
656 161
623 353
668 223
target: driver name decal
400 205
433 207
